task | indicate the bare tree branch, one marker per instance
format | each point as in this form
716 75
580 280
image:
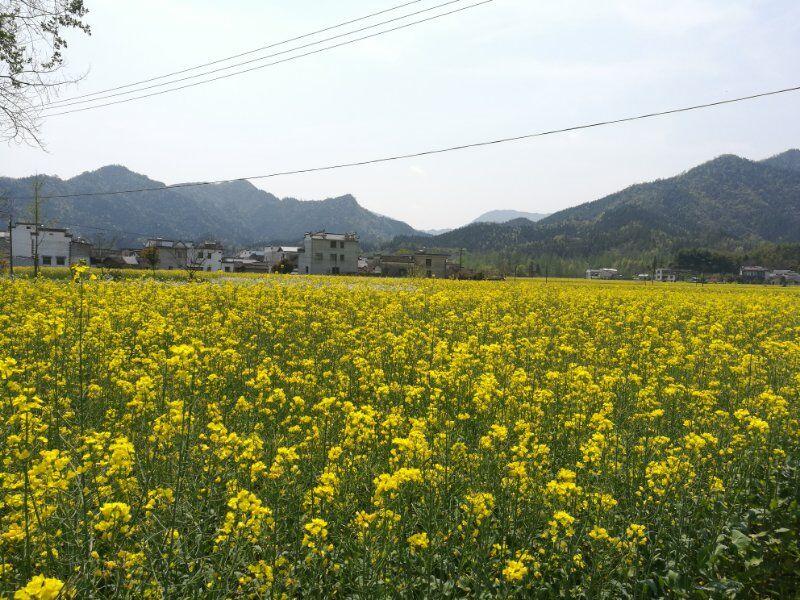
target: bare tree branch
31 60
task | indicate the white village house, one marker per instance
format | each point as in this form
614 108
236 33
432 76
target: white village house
56 247
177 254
206 256
666 275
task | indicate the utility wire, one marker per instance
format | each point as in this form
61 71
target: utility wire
234 56
250 61
439 150
277 62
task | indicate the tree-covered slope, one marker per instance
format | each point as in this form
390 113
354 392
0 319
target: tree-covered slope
729 202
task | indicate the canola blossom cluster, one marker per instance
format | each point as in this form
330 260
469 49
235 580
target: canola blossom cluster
277 437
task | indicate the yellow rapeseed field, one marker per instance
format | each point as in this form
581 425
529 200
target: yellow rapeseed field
338 437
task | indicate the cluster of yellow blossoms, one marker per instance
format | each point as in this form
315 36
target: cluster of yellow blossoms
282 437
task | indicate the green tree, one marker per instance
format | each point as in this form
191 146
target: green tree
150 256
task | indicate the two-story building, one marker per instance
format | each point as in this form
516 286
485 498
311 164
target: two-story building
329 254
205 257
169 254
418 264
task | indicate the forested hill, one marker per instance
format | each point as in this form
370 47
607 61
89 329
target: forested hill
236 213
726 203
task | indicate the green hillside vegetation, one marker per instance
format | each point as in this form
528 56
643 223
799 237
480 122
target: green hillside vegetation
730 204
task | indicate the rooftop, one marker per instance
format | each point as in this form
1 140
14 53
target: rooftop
210 246
397 258
162 243
324 235
41 227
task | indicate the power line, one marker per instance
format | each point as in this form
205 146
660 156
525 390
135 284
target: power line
291 58
66 103
438 150
234 56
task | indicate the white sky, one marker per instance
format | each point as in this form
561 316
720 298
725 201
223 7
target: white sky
509 67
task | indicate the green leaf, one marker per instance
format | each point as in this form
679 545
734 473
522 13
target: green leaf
753 562
741 540
782 530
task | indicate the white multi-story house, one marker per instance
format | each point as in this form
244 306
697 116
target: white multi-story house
329 254
55 247
172 254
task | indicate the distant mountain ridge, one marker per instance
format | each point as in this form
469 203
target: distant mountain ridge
503 216
726 203
236 213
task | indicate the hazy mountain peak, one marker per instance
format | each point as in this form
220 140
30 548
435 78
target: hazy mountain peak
503 216
114 177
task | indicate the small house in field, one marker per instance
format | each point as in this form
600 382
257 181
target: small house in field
667 275
603 273
753 274
416 264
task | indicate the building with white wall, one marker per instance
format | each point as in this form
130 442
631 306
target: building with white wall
205 257
666 275
55 247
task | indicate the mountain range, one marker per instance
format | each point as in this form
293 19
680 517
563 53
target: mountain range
236 213
729 203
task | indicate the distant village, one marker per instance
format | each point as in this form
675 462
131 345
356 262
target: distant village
747 274
321 253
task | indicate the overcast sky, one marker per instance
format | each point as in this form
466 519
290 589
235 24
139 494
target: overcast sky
502 69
